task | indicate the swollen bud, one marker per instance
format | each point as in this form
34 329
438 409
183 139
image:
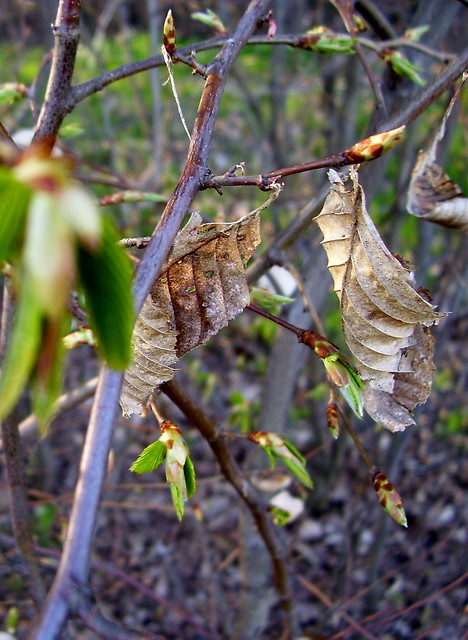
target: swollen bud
333 421
388 497
169 34
374 146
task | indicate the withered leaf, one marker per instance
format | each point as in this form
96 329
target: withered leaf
201 287
432 195
383 315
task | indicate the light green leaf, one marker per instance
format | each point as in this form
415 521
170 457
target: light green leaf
48 253
294 451
353 396
14 198
299 472
150 458
190 480
271 456
266 299
47 380
105 276
22 349
71 130
10 92
177 500
211 19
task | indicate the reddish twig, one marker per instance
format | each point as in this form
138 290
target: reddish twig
233 475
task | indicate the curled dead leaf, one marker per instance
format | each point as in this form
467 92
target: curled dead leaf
201 287
383 315
432 195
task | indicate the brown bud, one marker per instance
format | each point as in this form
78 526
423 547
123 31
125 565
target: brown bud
388 497
169 34
374 146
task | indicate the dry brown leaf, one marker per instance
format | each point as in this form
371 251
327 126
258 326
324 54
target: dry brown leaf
200 289
382 313
432 195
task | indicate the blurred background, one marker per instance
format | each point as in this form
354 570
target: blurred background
350 565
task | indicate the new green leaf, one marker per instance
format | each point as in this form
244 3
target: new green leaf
105 276
150 458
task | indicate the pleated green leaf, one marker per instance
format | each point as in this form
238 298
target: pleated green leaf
190 481
177 500
14 198
150 458
22 349
105 275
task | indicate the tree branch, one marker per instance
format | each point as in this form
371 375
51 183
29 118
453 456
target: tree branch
85 89
55 107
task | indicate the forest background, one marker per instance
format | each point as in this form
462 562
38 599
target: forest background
353 572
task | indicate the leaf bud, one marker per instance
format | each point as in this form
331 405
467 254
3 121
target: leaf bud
169 34
374 146
388 497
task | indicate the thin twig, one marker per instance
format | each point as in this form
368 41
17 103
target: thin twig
168 61
85 89
232 473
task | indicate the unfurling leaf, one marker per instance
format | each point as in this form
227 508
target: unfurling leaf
201 288
211 19
388 497
402 66
324 40
277 447
150 458
431 194
11 92
105 275
169 34
266 299
338 368
383 316
22 348
286 508
180 472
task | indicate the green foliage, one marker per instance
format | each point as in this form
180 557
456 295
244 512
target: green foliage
105 275
180 471
150 458
22 348
14 199
10 93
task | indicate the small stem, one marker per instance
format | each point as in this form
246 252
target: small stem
275 319
360 447
233 475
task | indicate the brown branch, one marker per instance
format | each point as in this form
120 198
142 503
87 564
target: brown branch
185 54
233 475
55 107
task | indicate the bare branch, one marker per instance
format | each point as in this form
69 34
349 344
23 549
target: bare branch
55 107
